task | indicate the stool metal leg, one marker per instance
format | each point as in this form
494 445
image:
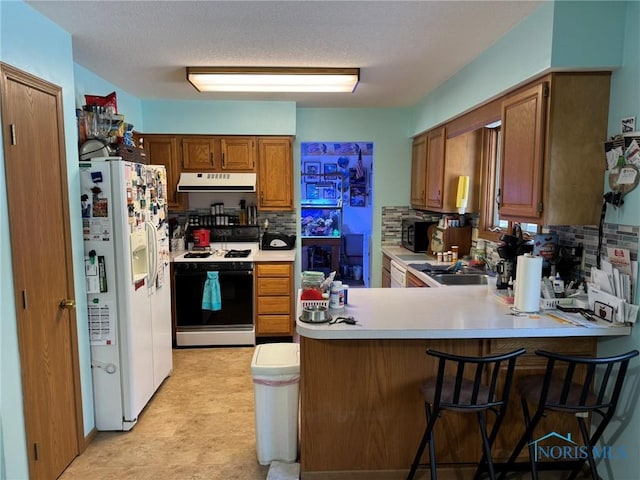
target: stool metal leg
486 443
589 445
426 438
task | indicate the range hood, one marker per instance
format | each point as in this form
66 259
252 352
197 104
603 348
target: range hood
217 182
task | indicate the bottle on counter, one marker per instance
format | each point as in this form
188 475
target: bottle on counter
336 297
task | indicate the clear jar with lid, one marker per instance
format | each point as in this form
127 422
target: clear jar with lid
312 285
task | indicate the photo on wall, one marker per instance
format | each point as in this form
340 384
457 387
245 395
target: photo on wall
357 196
311 171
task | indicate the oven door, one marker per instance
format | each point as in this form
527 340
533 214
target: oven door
236 293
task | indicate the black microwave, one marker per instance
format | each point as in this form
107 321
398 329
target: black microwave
415 234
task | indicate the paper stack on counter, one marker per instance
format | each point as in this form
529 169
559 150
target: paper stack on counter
612 287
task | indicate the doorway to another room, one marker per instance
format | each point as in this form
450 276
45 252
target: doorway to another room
336 212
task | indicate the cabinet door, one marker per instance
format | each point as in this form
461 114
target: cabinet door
201 154
413 281
238 154
435 169
163 150
418 171
275 173
521 163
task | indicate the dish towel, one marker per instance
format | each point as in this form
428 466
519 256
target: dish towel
211 298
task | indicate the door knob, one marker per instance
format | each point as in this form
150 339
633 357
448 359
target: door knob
67 303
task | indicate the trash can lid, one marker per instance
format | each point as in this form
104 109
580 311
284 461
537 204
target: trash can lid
276 359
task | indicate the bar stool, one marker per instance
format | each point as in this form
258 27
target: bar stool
459 393
559 390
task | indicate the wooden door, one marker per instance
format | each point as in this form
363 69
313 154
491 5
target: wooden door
435 169
418 171
163 150
275 174
201 154
238 154
523 121
37 197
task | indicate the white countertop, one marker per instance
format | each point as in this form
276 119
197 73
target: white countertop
456 312
275 256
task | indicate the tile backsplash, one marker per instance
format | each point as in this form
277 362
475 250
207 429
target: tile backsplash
614 235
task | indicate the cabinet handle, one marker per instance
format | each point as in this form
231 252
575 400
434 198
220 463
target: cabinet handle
212 160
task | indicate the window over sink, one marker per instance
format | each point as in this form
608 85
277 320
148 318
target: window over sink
491 225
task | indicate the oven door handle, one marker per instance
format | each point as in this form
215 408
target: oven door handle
223 273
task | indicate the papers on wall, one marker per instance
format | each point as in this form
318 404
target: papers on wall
612 286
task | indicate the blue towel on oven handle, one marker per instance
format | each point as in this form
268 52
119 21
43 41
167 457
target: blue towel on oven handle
211 298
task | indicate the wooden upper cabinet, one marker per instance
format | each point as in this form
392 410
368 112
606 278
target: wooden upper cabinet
208 153
163 150
523 120
201 154
275 173
552 166
419 171
238 154
435 169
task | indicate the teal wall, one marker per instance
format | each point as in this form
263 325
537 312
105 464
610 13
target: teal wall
34 44
557 35
219 117
625 102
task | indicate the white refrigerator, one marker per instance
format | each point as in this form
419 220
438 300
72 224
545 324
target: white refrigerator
126 247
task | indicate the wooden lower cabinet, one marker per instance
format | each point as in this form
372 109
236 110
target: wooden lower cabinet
361 408
386 271
415 282
274 299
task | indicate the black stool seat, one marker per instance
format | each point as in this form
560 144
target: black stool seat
473 389
465 401
562 389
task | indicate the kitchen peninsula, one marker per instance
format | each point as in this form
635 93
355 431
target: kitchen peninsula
361 411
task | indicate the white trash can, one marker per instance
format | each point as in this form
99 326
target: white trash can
275 369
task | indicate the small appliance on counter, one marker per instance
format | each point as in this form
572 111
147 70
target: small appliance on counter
278 241
510 248
416 234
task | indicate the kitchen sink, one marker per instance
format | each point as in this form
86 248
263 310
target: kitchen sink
460 278
412 257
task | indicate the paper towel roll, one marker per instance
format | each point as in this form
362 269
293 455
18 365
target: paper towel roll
527 291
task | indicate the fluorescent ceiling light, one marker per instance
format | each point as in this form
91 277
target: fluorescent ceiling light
276 79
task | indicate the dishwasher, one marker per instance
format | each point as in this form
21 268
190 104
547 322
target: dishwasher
398 275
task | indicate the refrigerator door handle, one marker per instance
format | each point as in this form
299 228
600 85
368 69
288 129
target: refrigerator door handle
152 237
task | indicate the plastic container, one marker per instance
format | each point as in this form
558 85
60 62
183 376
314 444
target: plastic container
336 297
275 368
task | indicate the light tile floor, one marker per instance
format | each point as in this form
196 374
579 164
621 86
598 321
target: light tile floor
199 425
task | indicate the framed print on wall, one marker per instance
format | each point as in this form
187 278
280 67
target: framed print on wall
311 191
330 170
311 171
357 196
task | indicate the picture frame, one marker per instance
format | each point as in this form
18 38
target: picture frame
311 191
357 196
329 192
330 170
311 171
354 179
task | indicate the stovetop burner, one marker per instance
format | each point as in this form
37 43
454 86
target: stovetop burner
198 254
237 253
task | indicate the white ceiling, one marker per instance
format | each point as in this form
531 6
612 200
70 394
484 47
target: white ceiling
404 49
